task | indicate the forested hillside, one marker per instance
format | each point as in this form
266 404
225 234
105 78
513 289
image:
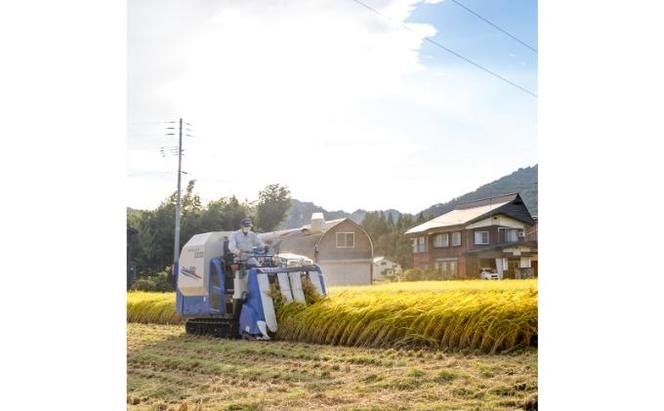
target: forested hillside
522 181
300 214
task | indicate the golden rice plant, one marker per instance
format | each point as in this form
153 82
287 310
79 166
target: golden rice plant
486 316
478 315
152 307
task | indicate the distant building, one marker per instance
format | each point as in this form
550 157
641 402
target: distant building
493 234
341 247
383 267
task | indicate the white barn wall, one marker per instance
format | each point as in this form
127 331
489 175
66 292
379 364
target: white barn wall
346 272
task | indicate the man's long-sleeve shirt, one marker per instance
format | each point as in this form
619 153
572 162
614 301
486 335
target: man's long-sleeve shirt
241 242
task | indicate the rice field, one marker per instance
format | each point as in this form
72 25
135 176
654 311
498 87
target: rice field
476 315
170 370
152 308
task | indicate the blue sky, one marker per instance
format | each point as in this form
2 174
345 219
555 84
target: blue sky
477 40
348 109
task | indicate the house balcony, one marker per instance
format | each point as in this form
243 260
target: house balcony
515 248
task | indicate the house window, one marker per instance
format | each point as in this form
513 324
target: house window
456 239
512 236
447 267
346 240
441 240
439 265
481 237
419 245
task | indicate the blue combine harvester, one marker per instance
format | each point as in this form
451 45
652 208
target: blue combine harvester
221 295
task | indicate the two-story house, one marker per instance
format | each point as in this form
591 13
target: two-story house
487 234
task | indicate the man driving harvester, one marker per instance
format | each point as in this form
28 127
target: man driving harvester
243 242
231 294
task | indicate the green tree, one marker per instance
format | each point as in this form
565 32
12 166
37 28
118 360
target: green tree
273 204
191 209
153 249
134 217
388 236
413 274
223 214
156 230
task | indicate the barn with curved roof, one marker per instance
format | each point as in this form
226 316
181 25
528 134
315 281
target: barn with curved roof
341 247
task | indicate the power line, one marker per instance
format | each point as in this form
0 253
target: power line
149 173
494 25
437 44
139 123
525 90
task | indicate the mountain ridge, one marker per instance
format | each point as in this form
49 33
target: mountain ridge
522 181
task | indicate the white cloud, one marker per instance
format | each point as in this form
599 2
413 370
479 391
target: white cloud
331 100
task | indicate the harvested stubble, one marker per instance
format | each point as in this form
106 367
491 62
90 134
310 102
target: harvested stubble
486 316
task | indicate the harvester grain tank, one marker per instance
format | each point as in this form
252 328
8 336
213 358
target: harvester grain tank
226 296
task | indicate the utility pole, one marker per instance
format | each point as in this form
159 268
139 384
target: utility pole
178 151
176 248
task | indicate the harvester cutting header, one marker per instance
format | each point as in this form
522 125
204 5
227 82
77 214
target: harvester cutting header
226 279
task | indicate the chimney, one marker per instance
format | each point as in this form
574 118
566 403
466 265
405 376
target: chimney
317 223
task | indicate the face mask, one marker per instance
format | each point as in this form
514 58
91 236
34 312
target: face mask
245 229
